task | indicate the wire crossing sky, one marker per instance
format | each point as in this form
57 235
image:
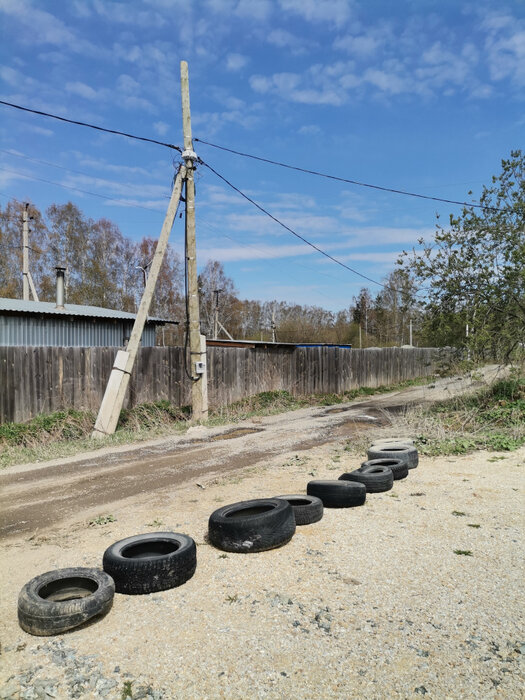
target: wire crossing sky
402 96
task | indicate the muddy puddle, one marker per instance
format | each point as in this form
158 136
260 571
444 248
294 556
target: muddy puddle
238 432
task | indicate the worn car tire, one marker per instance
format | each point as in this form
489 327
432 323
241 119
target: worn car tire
152 562
383 442
398 467
306 509
375 479
406 452
60 600
337 494
252 526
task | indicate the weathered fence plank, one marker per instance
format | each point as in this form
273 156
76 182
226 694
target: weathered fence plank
37 380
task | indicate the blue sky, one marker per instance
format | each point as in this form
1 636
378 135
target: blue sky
421 95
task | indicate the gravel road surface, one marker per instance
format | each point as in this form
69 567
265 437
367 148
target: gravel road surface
369 602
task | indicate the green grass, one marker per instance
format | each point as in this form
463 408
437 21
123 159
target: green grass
67 433
491 419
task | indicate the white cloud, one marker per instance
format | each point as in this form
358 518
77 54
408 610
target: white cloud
127 84
362 46
82 90
310 130
161 128
284 39
384 235
331 11
44 28
40 130
111 187
235 61
254 9
259 252
291 86
126 13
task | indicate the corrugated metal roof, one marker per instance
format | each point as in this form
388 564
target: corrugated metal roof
49 307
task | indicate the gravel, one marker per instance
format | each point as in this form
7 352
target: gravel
369 602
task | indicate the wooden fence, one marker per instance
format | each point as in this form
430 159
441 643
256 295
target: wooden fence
35 380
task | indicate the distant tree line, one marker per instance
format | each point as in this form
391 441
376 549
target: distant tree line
465 287
105 268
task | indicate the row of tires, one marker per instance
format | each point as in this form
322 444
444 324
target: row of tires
60 600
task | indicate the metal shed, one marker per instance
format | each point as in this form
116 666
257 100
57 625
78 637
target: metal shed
42 323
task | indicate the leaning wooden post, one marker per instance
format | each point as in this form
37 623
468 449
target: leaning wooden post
117 385
198 371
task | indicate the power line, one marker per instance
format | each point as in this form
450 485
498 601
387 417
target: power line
76 189
290 230
15 154
91 126
348 181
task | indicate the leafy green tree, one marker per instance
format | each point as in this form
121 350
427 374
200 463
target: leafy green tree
475 270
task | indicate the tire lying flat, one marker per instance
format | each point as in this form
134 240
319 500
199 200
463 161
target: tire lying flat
306 509
337 494
407 452
398 467
63 599
252 526
409 442
375 479
152 562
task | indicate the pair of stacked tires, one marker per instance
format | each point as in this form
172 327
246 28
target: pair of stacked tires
262 523
60 600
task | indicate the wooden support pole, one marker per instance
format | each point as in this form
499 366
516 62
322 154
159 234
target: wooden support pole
199 400
117 385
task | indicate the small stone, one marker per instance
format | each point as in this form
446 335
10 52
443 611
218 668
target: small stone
421 689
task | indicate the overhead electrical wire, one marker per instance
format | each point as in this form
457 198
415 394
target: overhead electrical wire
348 181
290 230
91 126
253 157
77 189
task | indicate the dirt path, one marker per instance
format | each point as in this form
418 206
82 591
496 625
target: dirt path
39 496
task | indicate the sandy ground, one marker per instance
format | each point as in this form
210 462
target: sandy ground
369 602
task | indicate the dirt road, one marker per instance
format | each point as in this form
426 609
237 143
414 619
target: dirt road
38 496
398 598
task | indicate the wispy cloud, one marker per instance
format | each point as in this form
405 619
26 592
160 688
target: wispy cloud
335 12
235 61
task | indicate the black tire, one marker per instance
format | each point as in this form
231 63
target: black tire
375 479
406 452
252 526
306 509
398 467
152 562
62 599
409 442
337 494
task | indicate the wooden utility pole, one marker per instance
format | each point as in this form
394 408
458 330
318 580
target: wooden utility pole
25 253
117 385
197 346
27 280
